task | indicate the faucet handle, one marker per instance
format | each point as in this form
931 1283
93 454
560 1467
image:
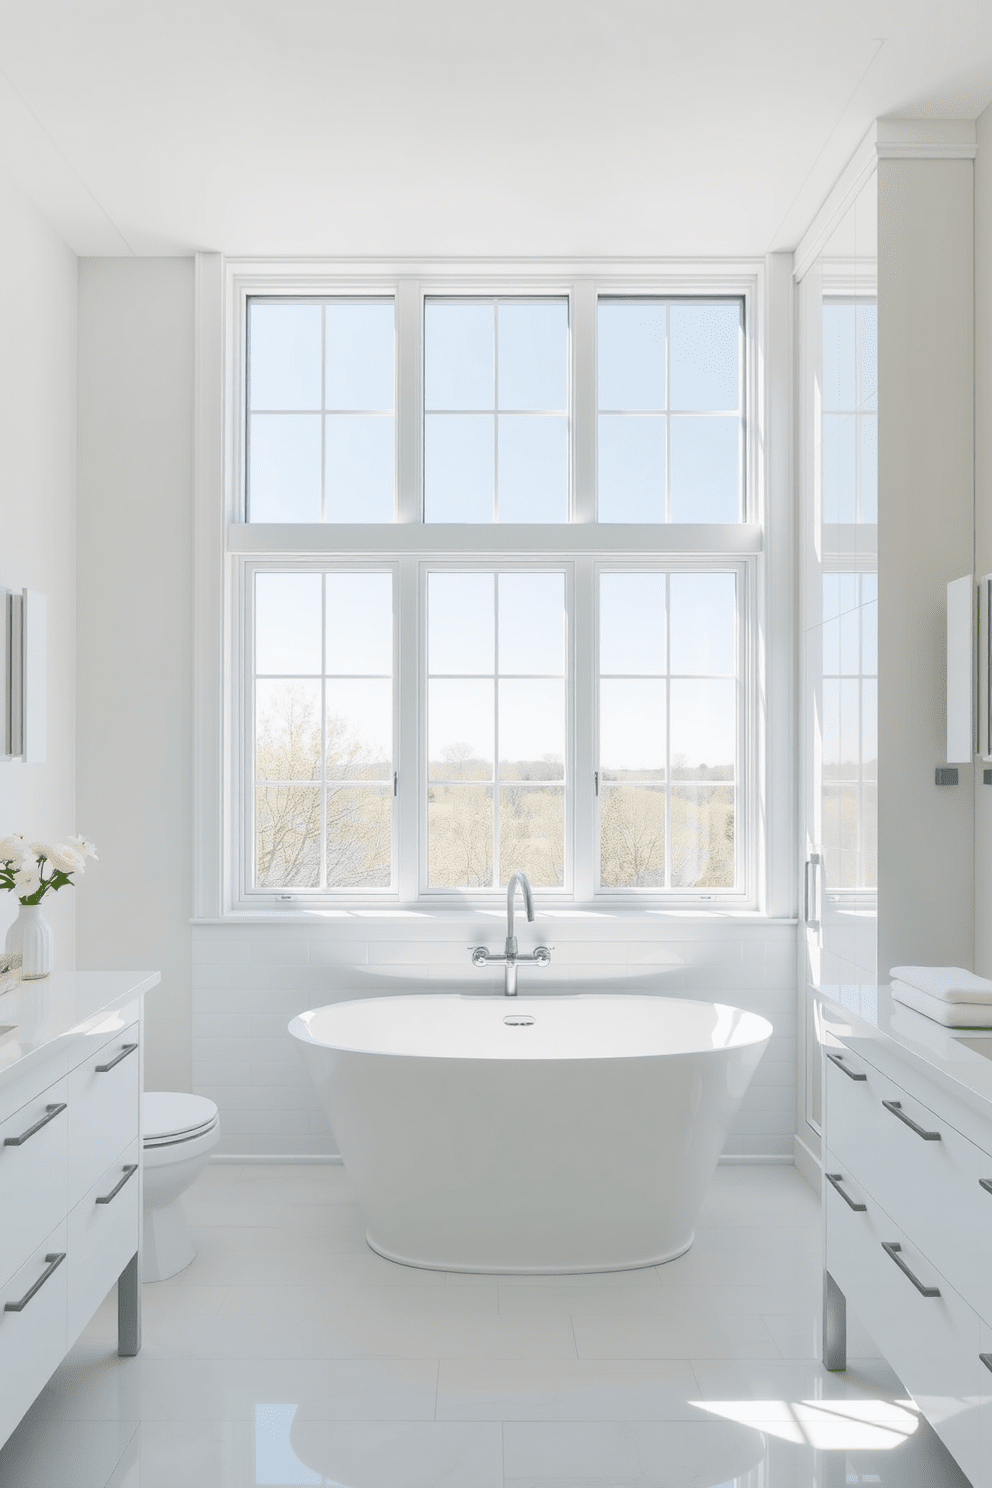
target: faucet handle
542 955
480 955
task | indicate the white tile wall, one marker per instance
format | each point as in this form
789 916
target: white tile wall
251 977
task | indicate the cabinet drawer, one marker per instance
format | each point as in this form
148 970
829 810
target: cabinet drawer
103 1236
104 1099
932 1188
932 1342
32 1341
33 1149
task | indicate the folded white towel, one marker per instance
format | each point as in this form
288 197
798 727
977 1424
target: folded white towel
949 983
950 1014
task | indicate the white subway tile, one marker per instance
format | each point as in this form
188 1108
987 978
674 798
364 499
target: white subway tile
209 1072
281 951
220 1025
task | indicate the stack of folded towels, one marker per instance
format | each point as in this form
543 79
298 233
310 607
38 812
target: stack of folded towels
948 994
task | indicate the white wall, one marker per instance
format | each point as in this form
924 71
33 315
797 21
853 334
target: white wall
135 559
37 521
925 524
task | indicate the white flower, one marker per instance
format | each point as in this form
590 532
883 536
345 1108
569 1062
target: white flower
26 880
12 847
64 858
84 848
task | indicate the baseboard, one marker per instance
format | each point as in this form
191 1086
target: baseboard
332 1159
756 1159
808 1163
782 1159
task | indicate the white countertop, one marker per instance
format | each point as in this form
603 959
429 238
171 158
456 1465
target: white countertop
868 1020
57 1014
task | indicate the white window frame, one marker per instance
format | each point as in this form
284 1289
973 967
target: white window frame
229 546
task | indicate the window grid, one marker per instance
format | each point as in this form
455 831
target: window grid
497 410
581 371
325 784
497 782
666 412
323 414
668 787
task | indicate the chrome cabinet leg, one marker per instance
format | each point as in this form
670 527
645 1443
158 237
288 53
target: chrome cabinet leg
129 1308
834 1324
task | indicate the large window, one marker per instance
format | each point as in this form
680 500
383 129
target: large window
493 588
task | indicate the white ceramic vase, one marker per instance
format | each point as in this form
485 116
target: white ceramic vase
31 934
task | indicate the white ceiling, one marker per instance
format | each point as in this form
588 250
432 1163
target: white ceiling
455 127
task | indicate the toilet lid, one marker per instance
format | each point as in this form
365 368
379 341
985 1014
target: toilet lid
167 1113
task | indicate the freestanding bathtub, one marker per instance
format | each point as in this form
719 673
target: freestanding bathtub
550 1134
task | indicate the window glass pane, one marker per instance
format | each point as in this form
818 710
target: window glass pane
359 837
704 730
839 354
631 355
869 638
461 724
631 468
461 626
533 355
287 730
287 837
533 468
459 354
706 469
632 623
632 837
284 467
283 356
867 333
531 730
705 356
359 729
703 837
460 836
840 468
532 624
868 468
532 835
632 730
361 355
704 623
459 467
359 464
359 615
287 623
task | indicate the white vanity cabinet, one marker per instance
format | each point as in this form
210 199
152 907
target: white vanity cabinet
908 1235
70 1172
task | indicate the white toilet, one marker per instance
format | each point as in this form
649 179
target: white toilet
180 1132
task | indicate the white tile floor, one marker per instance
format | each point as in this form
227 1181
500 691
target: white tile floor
289 1354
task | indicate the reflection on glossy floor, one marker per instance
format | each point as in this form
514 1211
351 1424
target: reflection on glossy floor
289 1354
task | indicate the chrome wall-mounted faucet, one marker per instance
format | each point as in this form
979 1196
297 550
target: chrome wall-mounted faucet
481 956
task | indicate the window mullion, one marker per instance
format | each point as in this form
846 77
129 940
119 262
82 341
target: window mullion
583 711
583 410
410 763
409 379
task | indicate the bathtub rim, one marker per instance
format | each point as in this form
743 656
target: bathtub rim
300 1030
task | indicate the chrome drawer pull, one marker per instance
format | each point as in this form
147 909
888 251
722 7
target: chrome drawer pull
50 1114
892 1249
129 1172
834 1180
985 1183
986 1360
836 1059
896 1108
102 1069
54 1262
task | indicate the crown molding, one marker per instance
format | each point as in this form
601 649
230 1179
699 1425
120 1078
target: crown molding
887 139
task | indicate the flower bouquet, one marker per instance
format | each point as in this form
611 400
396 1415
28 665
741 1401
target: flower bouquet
30 872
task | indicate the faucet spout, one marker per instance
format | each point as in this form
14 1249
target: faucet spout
528 893
481 955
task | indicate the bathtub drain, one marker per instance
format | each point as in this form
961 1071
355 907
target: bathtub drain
518 1020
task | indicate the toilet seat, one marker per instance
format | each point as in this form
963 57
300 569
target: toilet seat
171 1118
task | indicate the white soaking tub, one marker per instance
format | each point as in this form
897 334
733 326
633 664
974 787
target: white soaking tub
530 1134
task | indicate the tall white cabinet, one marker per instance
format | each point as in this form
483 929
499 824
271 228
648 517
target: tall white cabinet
70 1170
907 1204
